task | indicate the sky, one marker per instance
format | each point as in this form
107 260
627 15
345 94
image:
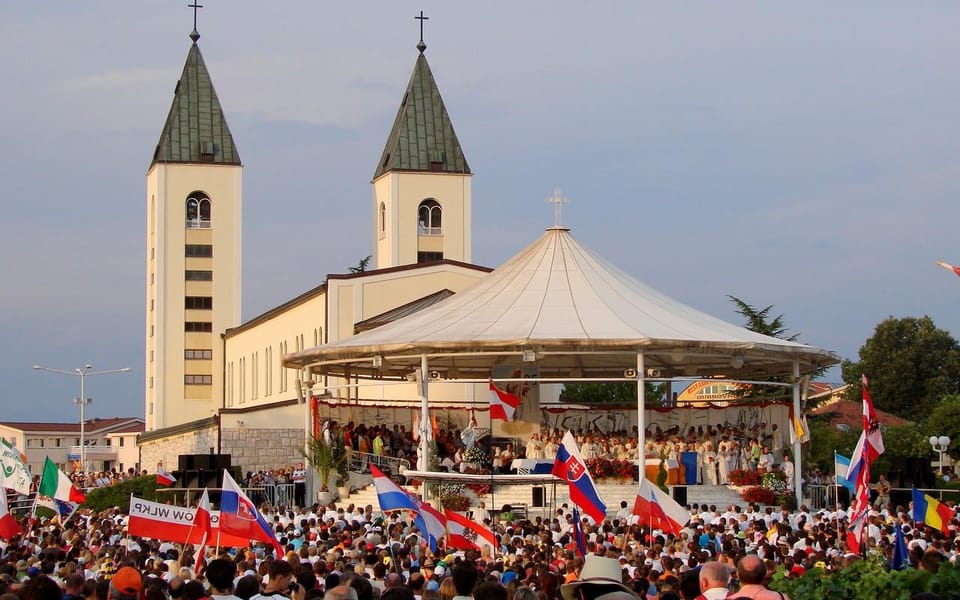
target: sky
801 155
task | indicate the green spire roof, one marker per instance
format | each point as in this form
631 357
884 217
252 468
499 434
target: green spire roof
196 130
422 138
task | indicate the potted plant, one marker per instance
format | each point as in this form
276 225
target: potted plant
322 457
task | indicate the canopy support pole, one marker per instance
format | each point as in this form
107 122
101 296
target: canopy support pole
426 432
641 420
797 443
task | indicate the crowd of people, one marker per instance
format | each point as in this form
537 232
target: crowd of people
381 556
719 449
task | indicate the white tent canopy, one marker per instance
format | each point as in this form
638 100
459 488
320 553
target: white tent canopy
565 310
575 315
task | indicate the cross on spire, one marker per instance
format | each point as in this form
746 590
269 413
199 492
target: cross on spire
421 46
558 201
195 35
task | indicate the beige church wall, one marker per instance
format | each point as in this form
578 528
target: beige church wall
402 193
304 319
168 186
380 296
452 191
385 244
167 450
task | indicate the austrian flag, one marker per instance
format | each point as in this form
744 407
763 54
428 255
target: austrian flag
503 404
464 534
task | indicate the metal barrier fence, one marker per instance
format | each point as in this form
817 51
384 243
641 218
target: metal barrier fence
825 496
359 462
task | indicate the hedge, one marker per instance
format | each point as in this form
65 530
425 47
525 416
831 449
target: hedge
870 579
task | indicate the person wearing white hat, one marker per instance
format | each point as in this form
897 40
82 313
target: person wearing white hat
600 579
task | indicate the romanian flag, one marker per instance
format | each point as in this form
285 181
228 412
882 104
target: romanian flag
931 512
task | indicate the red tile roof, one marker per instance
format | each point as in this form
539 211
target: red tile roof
851 414
118 424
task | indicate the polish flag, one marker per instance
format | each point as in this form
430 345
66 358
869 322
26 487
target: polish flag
948 267
502 403
202 521
464 534
164 477
8 525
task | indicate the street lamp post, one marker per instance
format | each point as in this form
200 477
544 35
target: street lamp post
83 401
940 445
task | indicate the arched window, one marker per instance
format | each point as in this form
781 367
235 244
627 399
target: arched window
383 219
429 216
198 211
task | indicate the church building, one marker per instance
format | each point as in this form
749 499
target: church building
215 384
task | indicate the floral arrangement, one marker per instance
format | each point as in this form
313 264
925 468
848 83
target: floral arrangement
744 477
604 467
775 481
759 495
476 455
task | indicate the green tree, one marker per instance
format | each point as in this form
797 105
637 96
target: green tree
944 419
911 366
621 392
758 320
362 265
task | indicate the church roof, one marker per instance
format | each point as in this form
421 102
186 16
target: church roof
196 130
422 138
402 311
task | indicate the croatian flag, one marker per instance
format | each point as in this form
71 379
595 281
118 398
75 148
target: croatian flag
870 444
164 477
431 523
570 467
503 404
657 509
202 521
464 534
239 516
390 495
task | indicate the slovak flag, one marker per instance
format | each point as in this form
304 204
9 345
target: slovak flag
9 527
656 508
165 477
202 521
464 534
570 467
502 403
239 516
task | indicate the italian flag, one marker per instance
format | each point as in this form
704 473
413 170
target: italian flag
58 486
